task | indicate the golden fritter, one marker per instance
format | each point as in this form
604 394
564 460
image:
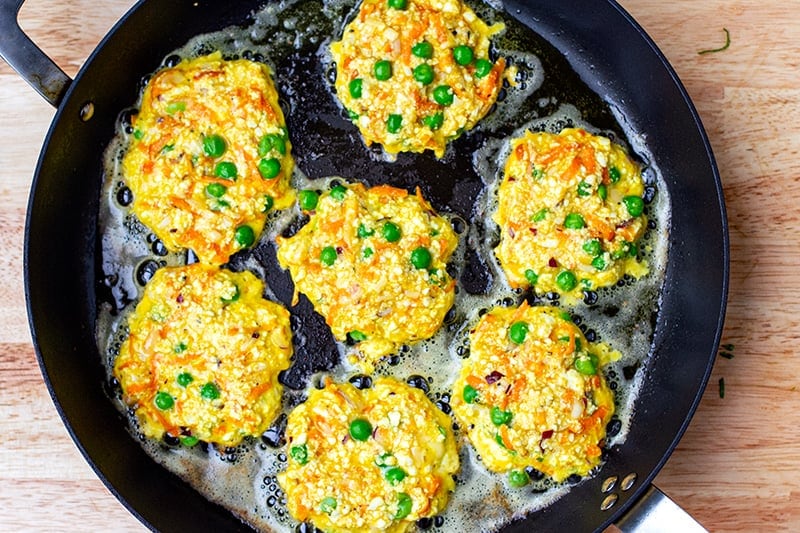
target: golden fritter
209 156
570 212
203 355
373 263
531 394
415 74
373 460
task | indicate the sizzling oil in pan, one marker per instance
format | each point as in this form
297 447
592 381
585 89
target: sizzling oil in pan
293 38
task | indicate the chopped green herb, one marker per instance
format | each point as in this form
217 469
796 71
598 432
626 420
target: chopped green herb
721 48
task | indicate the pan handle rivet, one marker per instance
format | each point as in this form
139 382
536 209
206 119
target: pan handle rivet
609 484
87 111
609 502
628 481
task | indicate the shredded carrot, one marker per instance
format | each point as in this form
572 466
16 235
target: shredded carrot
506 439
474 381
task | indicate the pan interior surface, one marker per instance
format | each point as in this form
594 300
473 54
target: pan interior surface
635 86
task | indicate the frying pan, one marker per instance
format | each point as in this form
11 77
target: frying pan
608 52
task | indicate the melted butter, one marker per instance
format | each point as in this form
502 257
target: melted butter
243 479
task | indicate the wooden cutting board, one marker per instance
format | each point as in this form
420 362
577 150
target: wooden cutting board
738 466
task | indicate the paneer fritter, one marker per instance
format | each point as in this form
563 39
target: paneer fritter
209 156
415 74
373 263
203 356
531 394
570 212
373 460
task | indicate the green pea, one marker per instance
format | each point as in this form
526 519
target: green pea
233 297
443 95
328 255
517 332
599 263
423 49
634 204
184 378
602 192
339 192
327 505
398 4
394 475
356 87
574 221
540 215
209 391
531 276
434 122
299 453
634 250
500 417
390 231
189 440
394 123
593 247
404 504
518 478
537 173
421 257
360 429
367 253
352 115
357 336
175 107
214 145
566 280
363 231
164 401
423 73
226 170
269 203
483 67
463 55
307 199
382 70
470 394
270 142
180 347
584 189
269 168
138 134
613 174
216 190
586 364
244 236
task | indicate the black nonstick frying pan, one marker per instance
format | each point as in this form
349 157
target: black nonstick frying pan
604 48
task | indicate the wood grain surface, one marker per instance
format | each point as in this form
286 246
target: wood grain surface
738 466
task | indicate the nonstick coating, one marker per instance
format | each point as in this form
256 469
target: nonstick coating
607 49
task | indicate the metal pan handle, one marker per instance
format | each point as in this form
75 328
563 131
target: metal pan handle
654 512
27 59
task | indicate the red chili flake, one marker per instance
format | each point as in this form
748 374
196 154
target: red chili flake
533 230
179 299
511 179
553 263
256 335
494 377
545 435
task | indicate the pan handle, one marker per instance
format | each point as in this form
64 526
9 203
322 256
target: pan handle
655 512
27 59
